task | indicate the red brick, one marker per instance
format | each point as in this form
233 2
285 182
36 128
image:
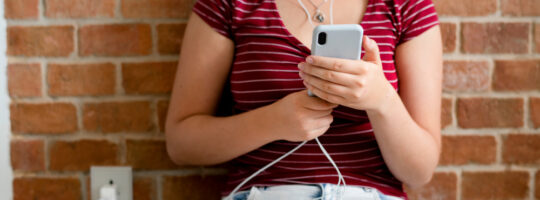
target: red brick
148 155
446 112
534 104
47 118
81 154
115 40
489 112
460 150
27 155
148 78
24 80
79 9
170 38
521 149
442 186
31 188
465 7
463 76
448 31
520 7
80 79
110 117
21 9
495 37
516 75
156 8
40 40
162 108
144 188
495 185
192 187
537 37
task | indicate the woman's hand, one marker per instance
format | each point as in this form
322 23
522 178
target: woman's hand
358 84
299 117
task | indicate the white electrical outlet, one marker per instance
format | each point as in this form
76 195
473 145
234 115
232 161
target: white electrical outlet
119 176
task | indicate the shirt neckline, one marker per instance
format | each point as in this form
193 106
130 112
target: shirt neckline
294 39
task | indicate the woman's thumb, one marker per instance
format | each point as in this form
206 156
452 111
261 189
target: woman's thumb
372 51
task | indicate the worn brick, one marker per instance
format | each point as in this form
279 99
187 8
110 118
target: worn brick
516 75
79 9
24 80
27 155
81 154
495 37
537 37
111 117
115 40
465 7
156 8
446 112
32 188
144 188
46 118
520 7
192 187
40 41
170 37
162 108
449 34
21 9
495 185
489 112
148 78
464 76
148 155
81 79
534 105
521 149
460 150
443 185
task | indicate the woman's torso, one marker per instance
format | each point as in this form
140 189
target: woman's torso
265 70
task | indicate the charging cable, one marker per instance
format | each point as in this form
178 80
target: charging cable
340 176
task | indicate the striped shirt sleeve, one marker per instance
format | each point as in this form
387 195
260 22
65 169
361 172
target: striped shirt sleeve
417 16
216 13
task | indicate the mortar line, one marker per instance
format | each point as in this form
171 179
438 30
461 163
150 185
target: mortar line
459 184
154 34
159 186
532 184
527 124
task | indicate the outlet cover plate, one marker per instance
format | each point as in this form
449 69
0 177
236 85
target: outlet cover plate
121 176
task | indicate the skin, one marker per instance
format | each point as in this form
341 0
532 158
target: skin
406 124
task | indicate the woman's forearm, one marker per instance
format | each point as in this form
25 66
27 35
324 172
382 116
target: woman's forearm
409 150
208 140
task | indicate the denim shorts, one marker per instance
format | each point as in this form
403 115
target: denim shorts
322 191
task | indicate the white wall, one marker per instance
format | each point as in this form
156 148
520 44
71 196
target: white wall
6 174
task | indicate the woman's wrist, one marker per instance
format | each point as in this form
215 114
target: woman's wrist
387 101
263 122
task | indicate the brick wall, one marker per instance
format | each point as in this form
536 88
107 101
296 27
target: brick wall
90 79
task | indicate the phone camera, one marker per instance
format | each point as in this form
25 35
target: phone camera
322 38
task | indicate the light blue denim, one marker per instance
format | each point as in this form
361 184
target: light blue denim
323 191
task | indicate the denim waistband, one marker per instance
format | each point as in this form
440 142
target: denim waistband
322 191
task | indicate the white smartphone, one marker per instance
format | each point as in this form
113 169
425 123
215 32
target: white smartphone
338 41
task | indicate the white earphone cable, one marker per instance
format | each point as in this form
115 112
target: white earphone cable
340 176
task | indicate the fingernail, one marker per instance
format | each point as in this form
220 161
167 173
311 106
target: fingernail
300 74
301 66
309 60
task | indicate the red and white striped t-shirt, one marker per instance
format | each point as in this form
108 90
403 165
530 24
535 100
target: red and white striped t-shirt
265 70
